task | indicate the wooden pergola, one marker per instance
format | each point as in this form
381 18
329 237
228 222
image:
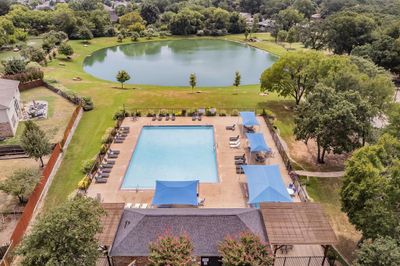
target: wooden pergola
110 222
297 223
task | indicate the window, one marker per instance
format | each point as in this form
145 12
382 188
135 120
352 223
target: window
13 121
16 106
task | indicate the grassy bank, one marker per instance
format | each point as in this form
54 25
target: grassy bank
108 98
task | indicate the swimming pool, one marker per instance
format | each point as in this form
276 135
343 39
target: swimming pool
172 153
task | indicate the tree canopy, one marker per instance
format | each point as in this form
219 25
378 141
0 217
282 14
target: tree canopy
370 193
21 183
64 235
383 251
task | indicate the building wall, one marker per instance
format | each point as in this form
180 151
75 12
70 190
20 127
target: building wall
9 118
6 130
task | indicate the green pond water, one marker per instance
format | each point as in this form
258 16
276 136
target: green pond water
170 63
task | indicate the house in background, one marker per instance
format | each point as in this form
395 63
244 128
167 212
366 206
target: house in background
10 112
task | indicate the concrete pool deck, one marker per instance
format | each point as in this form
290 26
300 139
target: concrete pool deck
227 193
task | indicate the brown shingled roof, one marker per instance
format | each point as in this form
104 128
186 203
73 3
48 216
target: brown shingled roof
302 223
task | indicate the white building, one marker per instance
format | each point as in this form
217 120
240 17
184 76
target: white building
10 112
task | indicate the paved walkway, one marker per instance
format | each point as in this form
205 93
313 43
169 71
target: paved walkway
320 174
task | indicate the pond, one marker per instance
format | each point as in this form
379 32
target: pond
169 63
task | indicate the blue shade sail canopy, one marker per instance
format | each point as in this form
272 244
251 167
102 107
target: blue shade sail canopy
265 184
249 119
257 142
176 192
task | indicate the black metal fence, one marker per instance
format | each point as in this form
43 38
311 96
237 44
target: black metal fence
302 261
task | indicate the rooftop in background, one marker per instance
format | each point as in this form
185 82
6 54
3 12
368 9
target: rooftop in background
205 227
301 223
8 89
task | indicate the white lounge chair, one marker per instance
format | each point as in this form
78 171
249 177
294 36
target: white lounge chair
137 205
128 205
237 145
143 206
234 142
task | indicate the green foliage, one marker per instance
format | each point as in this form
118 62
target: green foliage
236 82
87 103
122 77
333 119
288 17
247 249
383 251
370 193
65 235
169 249
21 183
282 35
394 121
135 36
347 30
35 142
149 12
65 49
130 19
87 165
306 7
33 54
186 22
84 183
315 35
14 66
193 80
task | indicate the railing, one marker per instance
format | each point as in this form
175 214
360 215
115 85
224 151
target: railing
11 150
71 123
301 261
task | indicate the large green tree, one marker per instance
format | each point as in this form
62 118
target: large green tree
246 249
393 127
370 193
295 74
288 17
170 249
331 119
149 12
383 251
35 142
65 235
21 183
347 30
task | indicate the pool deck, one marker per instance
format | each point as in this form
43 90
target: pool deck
227 193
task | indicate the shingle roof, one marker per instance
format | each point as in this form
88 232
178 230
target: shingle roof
205 227
7 92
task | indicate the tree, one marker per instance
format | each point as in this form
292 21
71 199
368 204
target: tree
186 22
14 66
370 192
282 35
294 74
21 183
169 249
251 6
122 77
288 17
4 7
33 54
292 36
394 121
237 23
135 36
236 82
247 249
65 235
65 49
314 36
130 19
330 118
246 33
306 7
149 12
347 30
35 142
192 81
383 251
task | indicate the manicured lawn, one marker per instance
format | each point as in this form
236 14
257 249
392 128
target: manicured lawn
59 112
7 54
108 98
326 191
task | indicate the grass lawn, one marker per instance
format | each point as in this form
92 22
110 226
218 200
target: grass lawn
7 54
326 191
59 113
108 98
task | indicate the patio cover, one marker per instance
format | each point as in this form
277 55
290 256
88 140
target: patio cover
257 142
297 223
249 119
265 184
176 192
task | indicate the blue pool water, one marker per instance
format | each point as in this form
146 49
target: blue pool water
172 153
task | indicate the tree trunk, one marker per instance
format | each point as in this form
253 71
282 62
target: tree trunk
21 199
122 85
318 152
41 162
323 156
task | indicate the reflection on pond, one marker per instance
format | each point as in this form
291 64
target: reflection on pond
171 62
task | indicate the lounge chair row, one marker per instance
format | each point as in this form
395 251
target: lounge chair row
234 144
105 168
159 117
196 116
122 133
239 161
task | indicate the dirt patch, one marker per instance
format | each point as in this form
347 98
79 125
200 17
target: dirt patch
306 156
7 225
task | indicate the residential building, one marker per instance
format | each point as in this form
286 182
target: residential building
10 111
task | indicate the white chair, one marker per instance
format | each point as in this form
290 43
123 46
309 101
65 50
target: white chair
143 206
128 205
234 142
137 205
237 145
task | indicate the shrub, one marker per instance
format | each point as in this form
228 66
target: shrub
235 112
135 36
84 183
103 149
66 49
33 54
87 165
87 103
106 137
120 37
14 66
